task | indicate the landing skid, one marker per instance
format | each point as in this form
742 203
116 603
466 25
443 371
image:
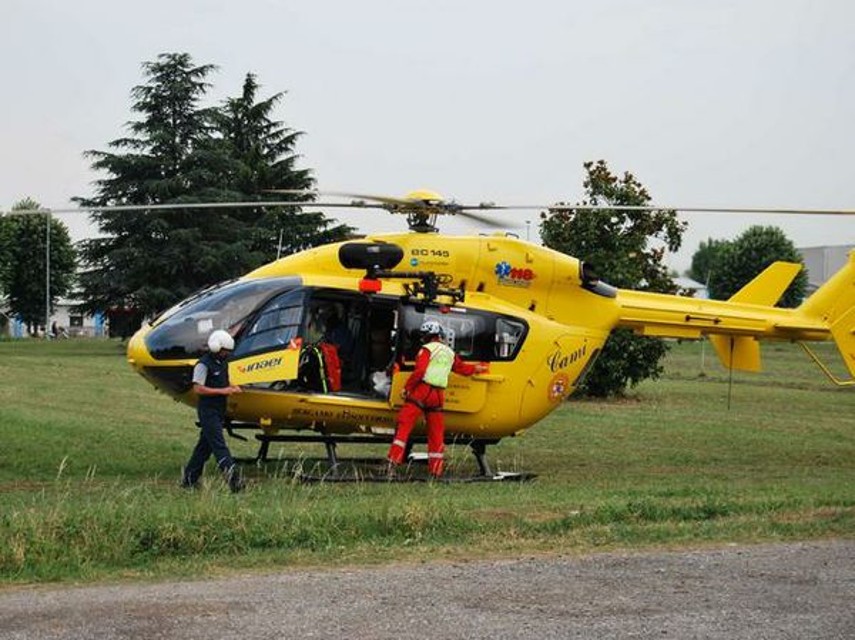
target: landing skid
383 478
364 469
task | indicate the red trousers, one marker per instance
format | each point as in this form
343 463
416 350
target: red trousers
426 400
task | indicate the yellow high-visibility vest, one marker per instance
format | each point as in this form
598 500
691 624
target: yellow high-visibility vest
439 367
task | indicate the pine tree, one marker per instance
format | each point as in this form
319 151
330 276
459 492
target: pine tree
147 259
182 152
262 158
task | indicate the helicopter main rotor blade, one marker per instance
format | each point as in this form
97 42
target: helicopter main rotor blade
430 202
487 222
488 206
359 197
453 207
182 206
763 210
398 204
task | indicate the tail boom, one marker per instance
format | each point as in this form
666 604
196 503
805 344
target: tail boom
734 326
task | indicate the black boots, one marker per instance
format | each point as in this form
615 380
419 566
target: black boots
234 478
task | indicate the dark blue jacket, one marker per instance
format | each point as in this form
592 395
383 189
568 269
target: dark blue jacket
217 378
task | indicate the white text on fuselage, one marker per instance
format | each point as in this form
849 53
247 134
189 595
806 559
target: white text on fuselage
263 364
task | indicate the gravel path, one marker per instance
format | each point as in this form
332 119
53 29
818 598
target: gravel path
802 591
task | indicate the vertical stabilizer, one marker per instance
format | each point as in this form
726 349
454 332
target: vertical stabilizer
834 304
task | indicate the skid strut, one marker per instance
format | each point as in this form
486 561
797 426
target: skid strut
479 450
478 447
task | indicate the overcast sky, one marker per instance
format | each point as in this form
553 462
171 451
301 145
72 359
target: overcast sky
725 103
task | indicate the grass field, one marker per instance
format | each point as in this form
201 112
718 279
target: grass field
91 455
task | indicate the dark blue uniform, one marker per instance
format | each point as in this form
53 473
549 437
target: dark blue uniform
212 415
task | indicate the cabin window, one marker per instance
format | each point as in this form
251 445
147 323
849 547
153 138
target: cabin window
474 335
509 334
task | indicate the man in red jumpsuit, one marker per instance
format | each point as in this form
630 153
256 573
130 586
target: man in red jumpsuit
424 393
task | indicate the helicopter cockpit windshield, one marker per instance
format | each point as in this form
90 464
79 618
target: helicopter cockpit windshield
184 332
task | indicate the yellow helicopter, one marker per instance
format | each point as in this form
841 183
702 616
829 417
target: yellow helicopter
537 317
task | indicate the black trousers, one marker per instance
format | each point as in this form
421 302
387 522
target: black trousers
211 440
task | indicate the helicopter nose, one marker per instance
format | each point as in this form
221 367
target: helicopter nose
137 353
170 377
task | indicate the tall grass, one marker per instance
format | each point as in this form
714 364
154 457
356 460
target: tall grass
91 457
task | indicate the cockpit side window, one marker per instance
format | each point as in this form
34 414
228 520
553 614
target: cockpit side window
274 326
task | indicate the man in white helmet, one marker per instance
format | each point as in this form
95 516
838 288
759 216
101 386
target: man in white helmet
211 384
424 394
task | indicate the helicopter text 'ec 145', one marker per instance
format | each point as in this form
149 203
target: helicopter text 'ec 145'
537 317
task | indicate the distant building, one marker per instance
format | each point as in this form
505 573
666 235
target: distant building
78 324
74 324
697 289
823 262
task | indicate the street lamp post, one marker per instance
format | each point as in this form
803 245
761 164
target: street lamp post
47 273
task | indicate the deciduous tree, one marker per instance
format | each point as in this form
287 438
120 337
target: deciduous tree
25 275
707 259
627 249
744 258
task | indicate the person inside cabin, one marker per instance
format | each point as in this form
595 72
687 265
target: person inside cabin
337 333
380 352
327 350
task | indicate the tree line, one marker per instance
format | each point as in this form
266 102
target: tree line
177 151
180 151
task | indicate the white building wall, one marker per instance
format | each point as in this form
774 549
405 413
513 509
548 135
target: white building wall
823 262
74 324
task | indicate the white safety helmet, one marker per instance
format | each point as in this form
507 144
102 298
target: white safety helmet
219 340
431 328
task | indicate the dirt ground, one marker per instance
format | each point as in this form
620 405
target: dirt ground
781 591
